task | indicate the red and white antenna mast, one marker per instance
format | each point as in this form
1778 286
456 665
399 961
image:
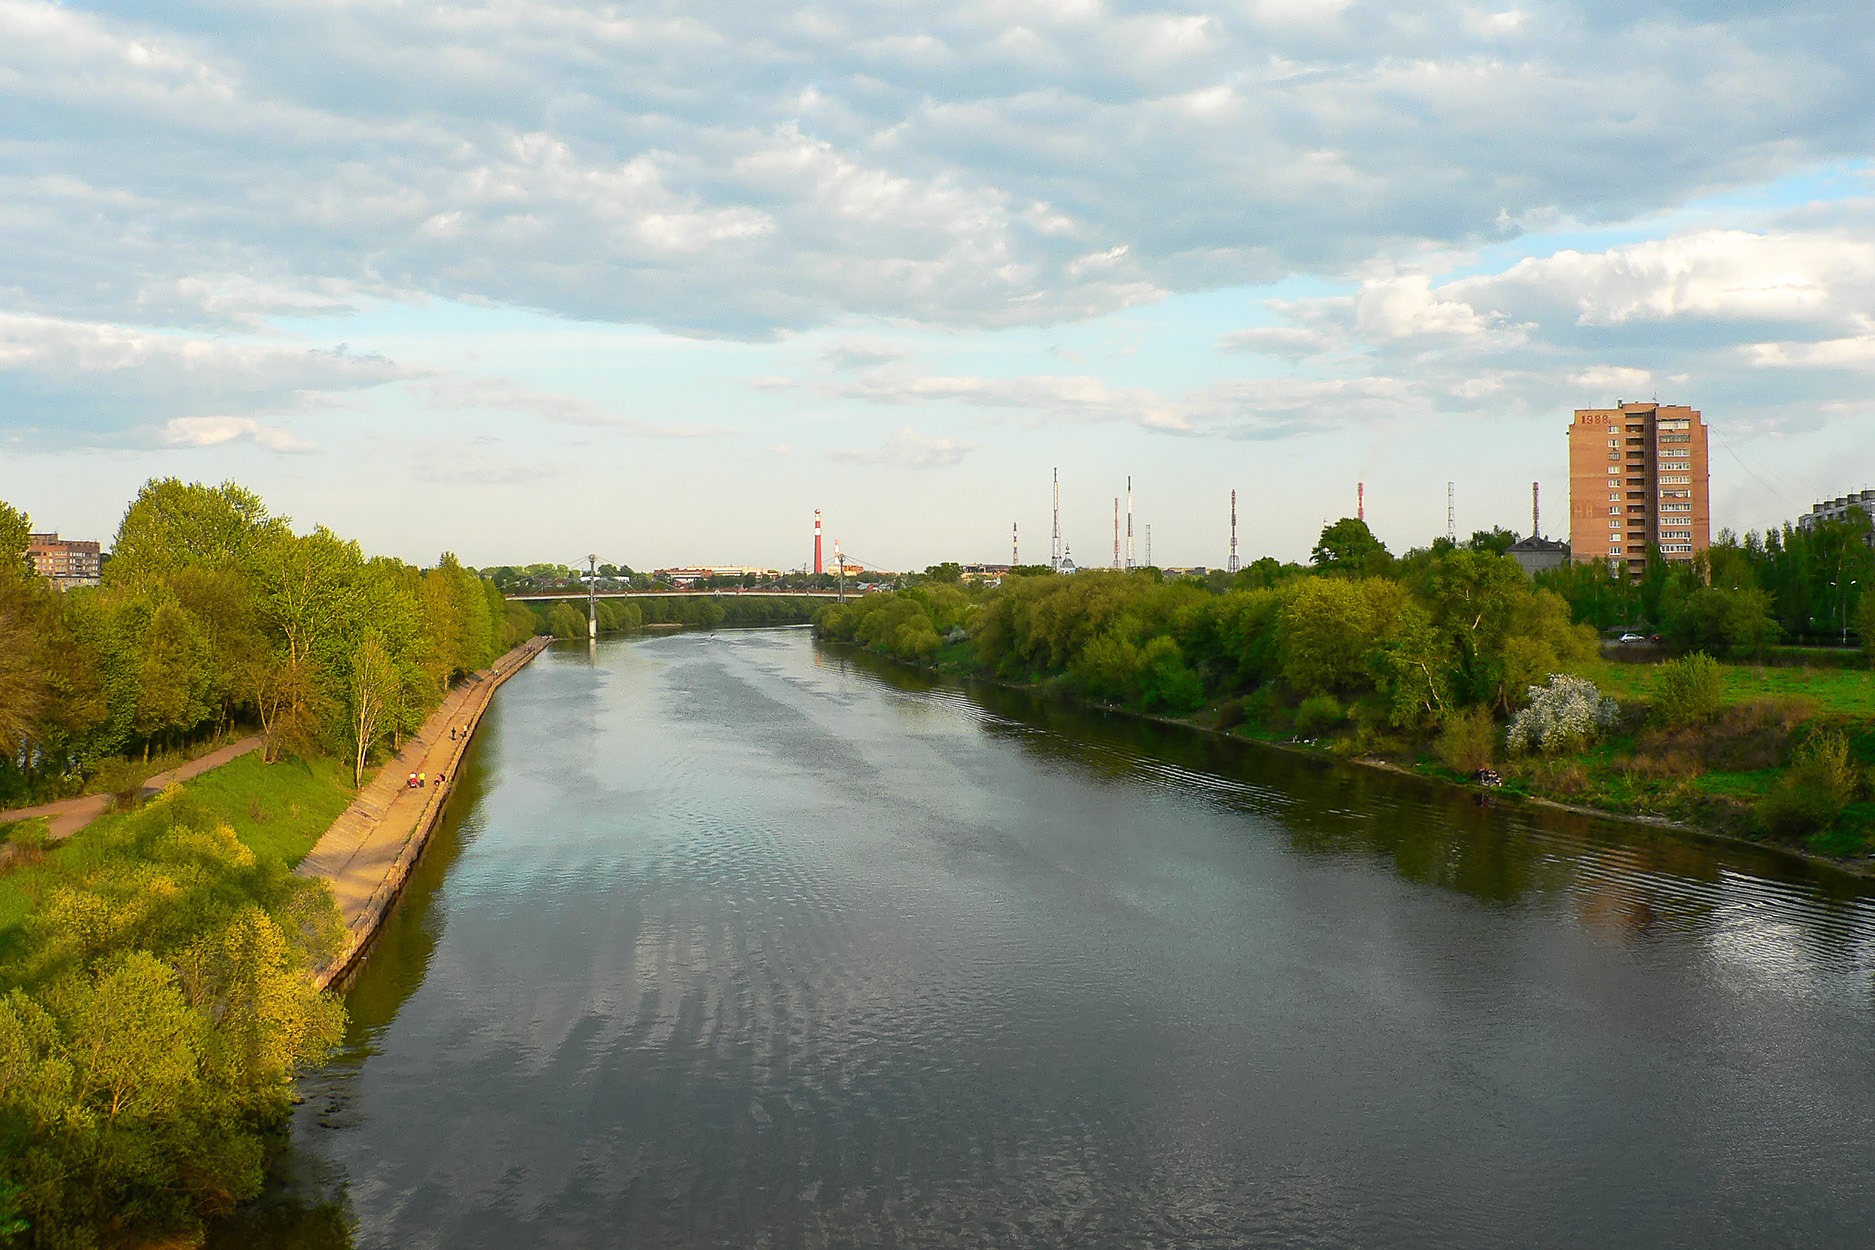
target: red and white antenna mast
817 567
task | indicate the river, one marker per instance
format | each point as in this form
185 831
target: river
733 941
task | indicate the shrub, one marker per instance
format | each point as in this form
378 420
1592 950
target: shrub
1812 793
1566 715
1467 740
1230 714
1687 690
123 780
1318 714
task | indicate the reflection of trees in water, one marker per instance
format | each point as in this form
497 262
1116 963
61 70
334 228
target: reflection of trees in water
1626 881
304 1206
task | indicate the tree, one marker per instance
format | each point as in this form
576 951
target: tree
566 621
1565 715
1329 628
22 675
1492 542
373 690
1348 546
170 526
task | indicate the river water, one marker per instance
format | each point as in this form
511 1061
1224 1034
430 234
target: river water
733 941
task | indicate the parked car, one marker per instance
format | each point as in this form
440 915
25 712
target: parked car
1631 638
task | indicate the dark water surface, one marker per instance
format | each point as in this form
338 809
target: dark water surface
733 942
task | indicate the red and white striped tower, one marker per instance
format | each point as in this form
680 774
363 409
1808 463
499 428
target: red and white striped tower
817 568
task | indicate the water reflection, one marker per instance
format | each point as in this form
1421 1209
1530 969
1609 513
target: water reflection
754 943
304 1205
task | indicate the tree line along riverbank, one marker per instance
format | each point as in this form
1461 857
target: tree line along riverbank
157 966
1450 662
566 618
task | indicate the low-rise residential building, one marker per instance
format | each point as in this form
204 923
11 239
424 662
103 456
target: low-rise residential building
65 562
1537 555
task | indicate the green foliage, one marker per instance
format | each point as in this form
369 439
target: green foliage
162 1004
1715 619
950 571
1319 714
1348 546
566 621
1687 690
1813 792
1328 629
1467 740
214 613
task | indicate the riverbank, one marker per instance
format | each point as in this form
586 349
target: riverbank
1860 866
367 854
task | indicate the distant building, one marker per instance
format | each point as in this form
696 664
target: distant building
1838 510
686 577
1638 478
65 562
1538 555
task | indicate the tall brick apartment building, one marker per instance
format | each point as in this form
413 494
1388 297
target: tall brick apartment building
1638 477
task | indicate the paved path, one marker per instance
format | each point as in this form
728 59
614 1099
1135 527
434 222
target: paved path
68 816
369 850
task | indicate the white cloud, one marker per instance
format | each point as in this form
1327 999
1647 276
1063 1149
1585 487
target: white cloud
212 431
105 383
746 170
908 449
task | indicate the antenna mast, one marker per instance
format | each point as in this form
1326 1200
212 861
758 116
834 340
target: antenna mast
1451 517
1015 545
1233 531
1148 546
1129 520
1054 554
1360 501
1536 528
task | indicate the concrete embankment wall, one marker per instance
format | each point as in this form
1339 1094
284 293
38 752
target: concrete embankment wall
368 853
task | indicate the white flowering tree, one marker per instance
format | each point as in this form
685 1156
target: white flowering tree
1566 715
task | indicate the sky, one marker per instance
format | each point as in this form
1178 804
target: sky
532 279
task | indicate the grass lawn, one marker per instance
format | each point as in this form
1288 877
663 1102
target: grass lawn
1837 691
277 810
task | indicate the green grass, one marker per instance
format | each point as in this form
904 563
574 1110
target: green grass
296 802
276 810
1836 691
1742 787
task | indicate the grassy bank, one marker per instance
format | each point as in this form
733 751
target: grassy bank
278 811
1441 676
